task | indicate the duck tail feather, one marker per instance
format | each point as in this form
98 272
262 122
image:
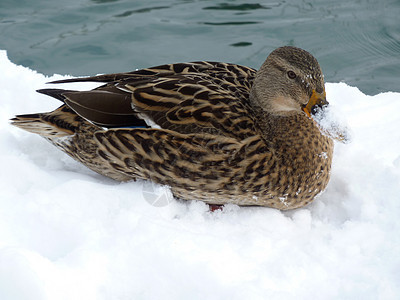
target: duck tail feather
58 123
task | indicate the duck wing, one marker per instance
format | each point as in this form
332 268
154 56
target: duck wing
188 98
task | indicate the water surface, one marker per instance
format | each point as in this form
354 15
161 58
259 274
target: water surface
357 42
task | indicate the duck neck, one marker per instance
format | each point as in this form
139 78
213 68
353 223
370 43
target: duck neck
295 135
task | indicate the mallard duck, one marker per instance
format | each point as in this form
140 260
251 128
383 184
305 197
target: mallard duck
211 131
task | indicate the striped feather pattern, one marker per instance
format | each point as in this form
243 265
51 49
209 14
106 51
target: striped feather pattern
192 126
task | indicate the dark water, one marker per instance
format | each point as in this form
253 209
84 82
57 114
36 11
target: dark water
357 42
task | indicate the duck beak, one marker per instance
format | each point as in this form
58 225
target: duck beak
317 100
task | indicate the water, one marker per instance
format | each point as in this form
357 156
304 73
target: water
357 42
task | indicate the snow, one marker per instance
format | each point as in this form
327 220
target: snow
68 233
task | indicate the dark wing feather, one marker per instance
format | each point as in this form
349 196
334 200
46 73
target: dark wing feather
194 97
102 107
198 67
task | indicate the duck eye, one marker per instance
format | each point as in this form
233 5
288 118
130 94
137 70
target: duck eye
291 74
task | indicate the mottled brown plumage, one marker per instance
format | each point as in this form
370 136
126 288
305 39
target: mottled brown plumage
215 132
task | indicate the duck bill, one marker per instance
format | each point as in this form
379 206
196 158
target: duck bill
316 100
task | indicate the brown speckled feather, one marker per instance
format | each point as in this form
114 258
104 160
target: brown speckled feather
187 98
197 128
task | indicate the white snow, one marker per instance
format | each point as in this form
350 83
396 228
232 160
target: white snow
68 233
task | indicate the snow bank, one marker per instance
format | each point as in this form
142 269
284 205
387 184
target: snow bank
67 233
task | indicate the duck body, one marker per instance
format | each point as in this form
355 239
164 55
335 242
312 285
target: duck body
201 128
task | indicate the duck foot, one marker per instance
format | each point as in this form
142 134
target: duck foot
214 207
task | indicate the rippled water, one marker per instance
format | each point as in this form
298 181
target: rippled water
357 42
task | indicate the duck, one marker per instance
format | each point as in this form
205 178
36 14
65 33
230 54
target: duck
211 131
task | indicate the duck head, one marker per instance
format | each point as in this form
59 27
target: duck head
289 82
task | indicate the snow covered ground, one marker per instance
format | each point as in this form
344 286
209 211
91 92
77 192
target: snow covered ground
68 233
